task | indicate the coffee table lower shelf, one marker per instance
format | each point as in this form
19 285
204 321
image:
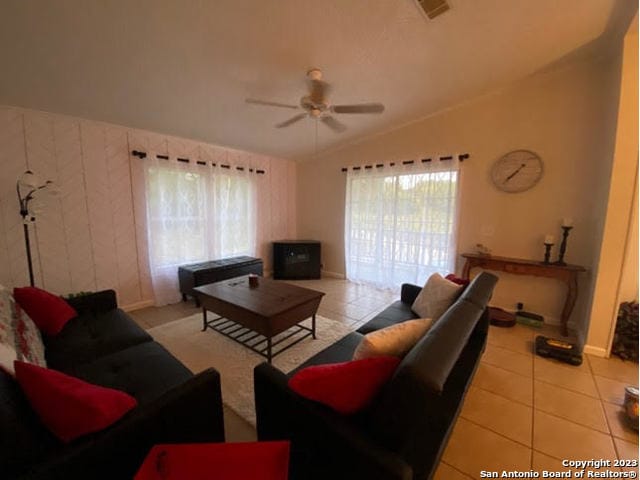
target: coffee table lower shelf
254 341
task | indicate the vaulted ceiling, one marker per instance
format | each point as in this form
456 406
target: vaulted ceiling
184 67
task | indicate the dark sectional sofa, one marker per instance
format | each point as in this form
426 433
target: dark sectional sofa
403 433
104 346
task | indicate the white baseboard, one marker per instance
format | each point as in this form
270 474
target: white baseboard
137 306
596 351
326 273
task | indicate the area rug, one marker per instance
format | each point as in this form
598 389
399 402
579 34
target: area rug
200 350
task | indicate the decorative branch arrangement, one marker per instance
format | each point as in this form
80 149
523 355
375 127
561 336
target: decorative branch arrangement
30 183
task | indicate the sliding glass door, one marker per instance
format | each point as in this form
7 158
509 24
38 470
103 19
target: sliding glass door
400 224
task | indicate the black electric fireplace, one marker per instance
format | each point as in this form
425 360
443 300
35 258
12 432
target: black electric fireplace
296 259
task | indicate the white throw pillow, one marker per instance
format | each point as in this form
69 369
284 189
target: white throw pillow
20 339
395 340
7 357
437 295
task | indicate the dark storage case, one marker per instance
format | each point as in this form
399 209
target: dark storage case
204 273
296 259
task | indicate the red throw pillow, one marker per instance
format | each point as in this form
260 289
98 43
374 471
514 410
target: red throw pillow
68 406
346 387
220 461
48 311
458 280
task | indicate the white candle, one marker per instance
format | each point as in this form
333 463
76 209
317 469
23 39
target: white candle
549 239
567 222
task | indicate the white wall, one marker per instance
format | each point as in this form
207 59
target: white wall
87 238
564 115
617 246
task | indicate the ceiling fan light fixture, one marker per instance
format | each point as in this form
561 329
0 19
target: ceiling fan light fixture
316 106
314 74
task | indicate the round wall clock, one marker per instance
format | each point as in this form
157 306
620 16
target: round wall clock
517 171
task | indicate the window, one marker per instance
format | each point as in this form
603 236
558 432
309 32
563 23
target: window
195 213
176 216
400 225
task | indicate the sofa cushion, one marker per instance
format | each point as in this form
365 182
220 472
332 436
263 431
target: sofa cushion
436 296
24 440
70 407
91 336
346 387
395 313
20 339
29 346
395 340
49 312
8 355
6 318
269 461
452 277
144 371
341 351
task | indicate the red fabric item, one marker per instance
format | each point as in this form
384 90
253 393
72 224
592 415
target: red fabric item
48 311
68 406
219 461
346 387
458 280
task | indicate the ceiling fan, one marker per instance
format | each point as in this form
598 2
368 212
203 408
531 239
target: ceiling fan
315 105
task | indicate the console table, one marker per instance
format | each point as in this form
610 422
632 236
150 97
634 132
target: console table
565 273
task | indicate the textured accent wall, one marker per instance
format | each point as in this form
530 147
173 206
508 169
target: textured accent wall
92 236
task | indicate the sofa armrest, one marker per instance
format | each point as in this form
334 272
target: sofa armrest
190 413
324 443
409 292
96 302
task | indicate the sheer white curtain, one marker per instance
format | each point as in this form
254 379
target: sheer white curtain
195 213
400 223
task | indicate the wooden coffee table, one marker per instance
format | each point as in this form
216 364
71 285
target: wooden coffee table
252 316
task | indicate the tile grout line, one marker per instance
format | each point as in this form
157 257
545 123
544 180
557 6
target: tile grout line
456 469
533 409
504 369
533 402
494 345
606 417
502 396
484 427
569 389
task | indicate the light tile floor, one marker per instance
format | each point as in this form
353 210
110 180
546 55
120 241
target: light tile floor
522 411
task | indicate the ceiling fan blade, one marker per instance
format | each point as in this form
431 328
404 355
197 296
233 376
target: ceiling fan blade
359 108
295 119
318 90
333 124
270 104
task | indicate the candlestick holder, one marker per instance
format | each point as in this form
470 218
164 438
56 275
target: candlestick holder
563 246
547 253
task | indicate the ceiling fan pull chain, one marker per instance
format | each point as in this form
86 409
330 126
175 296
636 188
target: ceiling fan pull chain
316 154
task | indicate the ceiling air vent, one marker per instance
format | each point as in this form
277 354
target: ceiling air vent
433 8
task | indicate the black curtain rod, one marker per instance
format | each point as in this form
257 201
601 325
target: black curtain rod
139 154
462 157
